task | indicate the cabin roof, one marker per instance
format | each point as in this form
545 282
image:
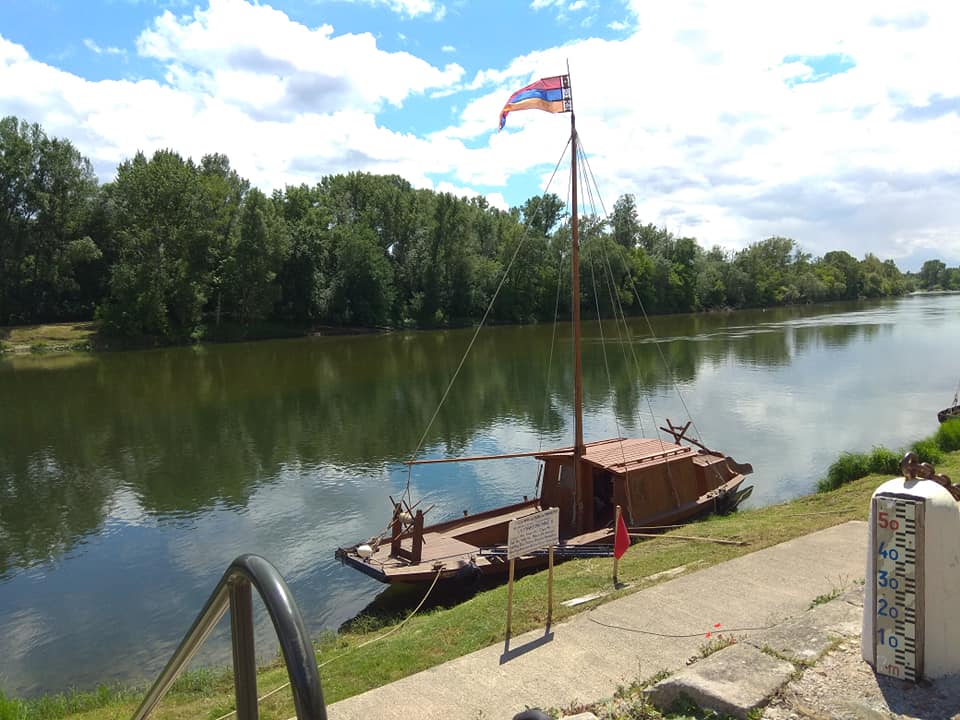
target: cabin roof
623 455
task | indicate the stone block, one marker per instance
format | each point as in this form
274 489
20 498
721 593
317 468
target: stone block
806 637
732 681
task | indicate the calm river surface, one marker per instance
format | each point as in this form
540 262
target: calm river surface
128 481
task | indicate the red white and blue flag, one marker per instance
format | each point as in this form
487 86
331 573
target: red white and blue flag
550 94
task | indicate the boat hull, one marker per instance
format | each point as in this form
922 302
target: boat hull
949 413
474 547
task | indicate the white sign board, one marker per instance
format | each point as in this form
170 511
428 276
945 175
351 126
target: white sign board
533 532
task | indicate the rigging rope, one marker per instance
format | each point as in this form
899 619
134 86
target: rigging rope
603 342
669 368
503 279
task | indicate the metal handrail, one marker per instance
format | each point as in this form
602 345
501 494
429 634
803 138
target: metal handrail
233 591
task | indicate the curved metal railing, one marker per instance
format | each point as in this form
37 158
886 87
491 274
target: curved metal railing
234 591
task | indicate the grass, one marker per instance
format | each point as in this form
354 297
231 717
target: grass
59 338
54 337
883 461
826 597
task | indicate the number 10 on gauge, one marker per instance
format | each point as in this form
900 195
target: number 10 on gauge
898 563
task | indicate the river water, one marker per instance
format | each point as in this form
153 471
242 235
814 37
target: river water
129 480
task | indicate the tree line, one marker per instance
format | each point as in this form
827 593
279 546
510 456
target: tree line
174 249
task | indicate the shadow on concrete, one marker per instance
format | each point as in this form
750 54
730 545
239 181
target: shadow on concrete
512 653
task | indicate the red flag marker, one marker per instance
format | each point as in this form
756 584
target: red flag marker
621 542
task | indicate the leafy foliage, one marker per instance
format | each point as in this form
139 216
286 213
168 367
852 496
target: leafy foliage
849 466
172 248
947 436
927 450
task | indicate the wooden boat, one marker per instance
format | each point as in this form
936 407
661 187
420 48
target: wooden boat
656 482
953 411
949 413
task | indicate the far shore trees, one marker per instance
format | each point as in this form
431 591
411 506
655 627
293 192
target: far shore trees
173 248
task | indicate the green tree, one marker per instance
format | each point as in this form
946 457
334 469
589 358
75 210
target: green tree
359 290
849 268
626 226
160 282
47 189
222 191
933 274
255 259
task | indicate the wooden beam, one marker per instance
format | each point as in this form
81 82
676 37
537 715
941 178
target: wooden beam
718 541
487 457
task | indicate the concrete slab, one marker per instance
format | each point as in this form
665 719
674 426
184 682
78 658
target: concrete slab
806 637
633 637
733 681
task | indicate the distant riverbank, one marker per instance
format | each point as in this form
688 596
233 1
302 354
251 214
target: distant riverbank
85 336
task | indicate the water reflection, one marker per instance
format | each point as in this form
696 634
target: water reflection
128 481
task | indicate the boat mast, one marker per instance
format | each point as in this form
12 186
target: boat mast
578 447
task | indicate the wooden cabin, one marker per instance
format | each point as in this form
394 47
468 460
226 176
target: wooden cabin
653 481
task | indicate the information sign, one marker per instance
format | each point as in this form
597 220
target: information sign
533 532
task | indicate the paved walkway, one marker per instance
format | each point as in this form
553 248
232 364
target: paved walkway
584 660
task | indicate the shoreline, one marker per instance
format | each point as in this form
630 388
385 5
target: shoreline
82 336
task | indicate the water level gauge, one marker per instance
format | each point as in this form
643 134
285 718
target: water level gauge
898 585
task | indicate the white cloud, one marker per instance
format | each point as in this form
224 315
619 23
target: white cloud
694 114
618 25
722 131
98 50
448 49
411 8
287 103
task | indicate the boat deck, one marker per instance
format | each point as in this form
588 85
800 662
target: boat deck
442 550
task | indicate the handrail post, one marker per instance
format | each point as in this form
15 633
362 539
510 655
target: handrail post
244 653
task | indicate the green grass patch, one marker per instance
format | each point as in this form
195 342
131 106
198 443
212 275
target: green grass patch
947 436
826 597
849 466
927 450
63 705
49 338
883 461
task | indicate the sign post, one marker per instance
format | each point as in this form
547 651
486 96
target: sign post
525 535
616 558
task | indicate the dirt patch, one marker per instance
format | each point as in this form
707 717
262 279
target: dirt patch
841 686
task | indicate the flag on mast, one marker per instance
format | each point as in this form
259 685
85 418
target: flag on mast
551 94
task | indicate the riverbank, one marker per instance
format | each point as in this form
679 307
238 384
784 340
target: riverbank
367 656
85 336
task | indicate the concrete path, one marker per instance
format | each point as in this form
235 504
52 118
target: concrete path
659 628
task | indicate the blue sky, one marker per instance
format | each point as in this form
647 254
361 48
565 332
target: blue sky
730 121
